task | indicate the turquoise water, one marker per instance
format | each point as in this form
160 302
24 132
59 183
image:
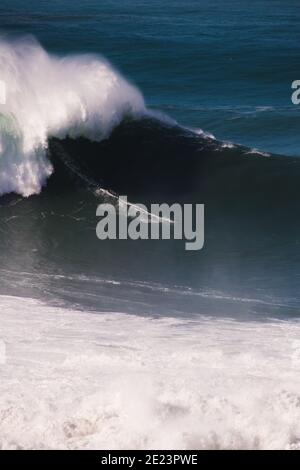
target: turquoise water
225 67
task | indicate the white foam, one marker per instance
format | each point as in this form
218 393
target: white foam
78 95
81 380
205 135
255 151
227 145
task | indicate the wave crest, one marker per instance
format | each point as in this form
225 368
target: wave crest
51 96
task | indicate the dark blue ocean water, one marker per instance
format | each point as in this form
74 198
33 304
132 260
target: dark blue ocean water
223 66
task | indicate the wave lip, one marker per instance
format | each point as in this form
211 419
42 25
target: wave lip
50 96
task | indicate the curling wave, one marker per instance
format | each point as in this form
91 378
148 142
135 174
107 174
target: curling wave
49 96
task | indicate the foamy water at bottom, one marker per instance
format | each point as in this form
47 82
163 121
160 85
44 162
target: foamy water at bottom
82 380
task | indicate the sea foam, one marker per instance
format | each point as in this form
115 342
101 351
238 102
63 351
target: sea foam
109 380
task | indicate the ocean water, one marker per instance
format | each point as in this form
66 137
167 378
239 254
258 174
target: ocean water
227 69
141 344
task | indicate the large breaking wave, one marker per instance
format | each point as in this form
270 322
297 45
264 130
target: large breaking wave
60 111
49 96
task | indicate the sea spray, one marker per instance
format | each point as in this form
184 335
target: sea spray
50 96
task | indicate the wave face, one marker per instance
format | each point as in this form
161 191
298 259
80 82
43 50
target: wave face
49 96
248 268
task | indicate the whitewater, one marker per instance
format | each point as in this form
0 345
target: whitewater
80 380
50 96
